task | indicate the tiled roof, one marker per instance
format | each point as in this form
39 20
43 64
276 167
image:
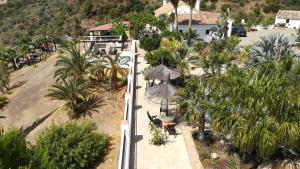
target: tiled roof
106 27
202 17
293 15
167 8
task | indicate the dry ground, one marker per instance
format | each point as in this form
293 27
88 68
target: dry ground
28 103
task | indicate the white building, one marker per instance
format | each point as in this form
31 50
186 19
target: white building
203 22
290 19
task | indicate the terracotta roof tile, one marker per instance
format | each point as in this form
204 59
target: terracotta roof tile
106 27
293 15
201 17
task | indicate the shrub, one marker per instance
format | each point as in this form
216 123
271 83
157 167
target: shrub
3 102
272 6
70 146
170 35
225 7
149 44
199 47
157 137
156 57
14 152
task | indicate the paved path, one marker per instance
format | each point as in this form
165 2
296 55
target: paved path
253 37
173 154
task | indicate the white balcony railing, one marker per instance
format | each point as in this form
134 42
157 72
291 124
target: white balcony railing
126 126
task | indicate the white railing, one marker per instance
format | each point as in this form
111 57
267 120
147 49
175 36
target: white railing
97 38
126 126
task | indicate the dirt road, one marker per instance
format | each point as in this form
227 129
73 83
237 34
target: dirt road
28 102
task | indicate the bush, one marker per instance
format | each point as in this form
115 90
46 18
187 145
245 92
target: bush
156 57
272 6
14 152
70 146
3 102
170 35
149 44
157 137
199 47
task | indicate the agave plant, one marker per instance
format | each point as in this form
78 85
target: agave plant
273 47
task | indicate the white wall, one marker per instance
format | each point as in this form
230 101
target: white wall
182 10
291 24
200 29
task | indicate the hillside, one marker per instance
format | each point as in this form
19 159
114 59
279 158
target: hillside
253 11
20 20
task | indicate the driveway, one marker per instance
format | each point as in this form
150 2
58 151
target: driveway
28 102
253 37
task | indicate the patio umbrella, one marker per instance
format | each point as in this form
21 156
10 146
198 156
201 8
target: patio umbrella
161 92
162 72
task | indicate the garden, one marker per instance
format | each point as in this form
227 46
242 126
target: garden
242 102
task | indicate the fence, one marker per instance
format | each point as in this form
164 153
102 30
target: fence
112 38
124 156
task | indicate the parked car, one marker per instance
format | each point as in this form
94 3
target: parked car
241 32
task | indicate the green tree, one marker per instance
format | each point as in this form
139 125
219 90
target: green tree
9 55
72 64
160 56
258 107
69 146
78 95
4 77
24 50
14 152
150 44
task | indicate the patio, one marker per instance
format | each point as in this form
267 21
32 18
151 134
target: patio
172 155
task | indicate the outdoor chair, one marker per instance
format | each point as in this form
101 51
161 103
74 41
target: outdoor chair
154 120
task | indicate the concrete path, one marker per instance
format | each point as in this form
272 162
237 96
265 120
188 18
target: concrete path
172 155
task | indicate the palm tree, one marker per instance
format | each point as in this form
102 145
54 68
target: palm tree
273 47
191 100
77 94
175 4
169 44
24 50
9 55
192 4
258 107
72 64
115 64
182 57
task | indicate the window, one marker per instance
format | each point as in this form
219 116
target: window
288 21
181 31
207 32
